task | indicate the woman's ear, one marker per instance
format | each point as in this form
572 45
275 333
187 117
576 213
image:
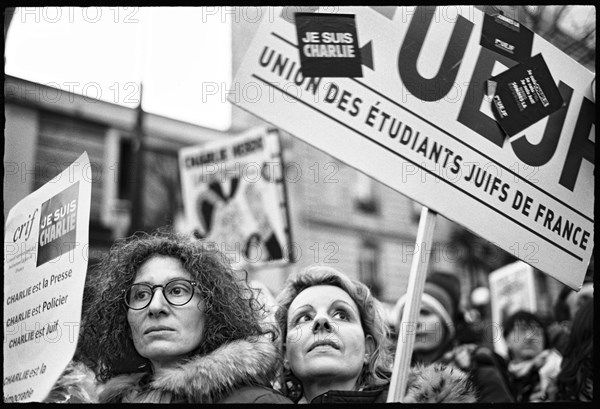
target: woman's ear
369 347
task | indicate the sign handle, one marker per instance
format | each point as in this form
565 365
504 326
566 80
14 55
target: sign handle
416 283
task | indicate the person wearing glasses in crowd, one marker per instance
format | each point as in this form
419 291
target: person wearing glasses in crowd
169 321
336 346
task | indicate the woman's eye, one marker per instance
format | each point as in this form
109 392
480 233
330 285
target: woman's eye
142 295
341 315
179 290
303 318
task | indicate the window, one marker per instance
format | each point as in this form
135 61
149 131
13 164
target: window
117 182
364 194
124 169
368 266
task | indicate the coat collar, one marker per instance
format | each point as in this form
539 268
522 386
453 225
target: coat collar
435 383
205 378
439 383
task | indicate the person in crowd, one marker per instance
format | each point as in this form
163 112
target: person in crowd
532 365
575 382
336 347
170 321
565 308
437 339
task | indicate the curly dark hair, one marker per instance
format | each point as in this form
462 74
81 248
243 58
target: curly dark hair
232 309
377 372
577 364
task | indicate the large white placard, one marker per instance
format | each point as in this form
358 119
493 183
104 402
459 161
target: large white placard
45 265
234 196
420 122
512 288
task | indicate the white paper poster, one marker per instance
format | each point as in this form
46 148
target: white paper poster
233 195
512 288
45 265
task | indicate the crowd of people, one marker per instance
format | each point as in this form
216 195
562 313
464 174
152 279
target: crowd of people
166 319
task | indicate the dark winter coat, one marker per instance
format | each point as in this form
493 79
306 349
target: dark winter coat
490 376
486 370
237 372
434 383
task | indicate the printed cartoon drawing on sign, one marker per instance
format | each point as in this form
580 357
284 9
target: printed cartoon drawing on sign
234 196
238 217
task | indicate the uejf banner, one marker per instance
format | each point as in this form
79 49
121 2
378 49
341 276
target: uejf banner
233 195
420 121
45 265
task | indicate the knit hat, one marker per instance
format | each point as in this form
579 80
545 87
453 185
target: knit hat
445 288
441 294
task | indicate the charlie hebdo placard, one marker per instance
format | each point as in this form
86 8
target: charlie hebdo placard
45 264
233 195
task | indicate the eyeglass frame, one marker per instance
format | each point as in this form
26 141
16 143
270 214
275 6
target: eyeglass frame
125 292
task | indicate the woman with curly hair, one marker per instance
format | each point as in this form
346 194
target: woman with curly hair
169 321
337 349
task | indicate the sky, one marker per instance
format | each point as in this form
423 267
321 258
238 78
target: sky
105 52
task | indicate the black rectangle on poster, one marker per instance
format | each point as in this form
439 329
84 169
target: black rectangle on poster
328 45
507 37
524 94
58 225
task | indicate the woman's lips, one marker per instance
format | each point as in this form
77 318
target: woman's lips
324 343
158 328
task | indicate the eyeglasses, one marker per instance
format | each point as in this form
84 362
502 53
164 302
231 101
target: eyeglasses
177 292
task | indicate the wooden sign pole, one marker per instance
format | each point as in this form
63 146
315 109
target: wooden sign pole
407 326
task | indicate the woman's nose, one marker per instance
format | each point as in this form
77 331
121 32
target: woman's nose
158 304
321 323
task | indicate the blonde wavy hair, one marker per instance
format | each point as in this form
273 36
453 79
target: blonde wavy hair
377 371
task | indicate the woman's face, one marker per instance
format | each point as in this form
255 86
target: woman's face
325 338
525 341
162 332
430 330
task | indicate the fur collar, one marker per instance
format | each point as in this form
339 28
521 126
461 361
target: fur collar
438 383
77 384
207 378
212 377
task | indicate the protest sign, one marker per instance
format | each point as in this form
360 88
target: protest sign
329 45
512 288
420 122
524 94
45 265
507 37
234 196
